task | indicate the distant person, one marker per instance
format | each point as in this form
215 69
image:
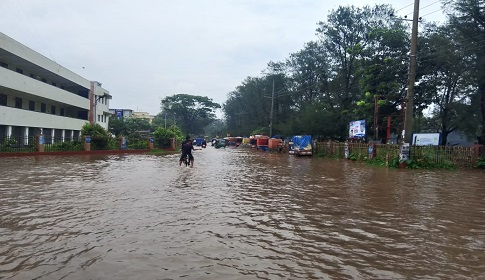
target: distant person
187 148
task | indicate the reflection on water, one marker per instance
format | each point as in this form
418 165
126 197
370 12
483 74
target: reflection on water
238 214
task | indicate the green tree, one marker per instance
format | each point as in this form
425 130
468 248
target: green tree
309 69
216 128
446 79
129 126
163 136
192 112
360 42
247 108
468 17
116 126
93 130
99 136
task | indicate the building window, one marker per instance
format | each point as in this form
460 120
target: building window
18 102
3 64
32 105
3 100
42 107
62 112
20 71
53 109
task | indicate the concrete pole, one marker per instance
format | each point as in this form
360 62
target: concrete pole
271 113
408 117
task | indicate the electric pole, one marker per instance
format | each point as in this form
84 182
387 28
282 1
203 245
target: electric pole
271 113
408 117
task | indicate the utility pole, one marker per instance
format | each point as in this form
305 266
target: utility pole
408 117
271 114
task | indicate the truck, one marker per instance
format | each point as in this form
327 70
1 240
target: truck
301 145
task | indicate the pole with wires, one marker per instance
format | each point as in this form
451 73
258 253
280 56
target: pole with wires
271 113
408 118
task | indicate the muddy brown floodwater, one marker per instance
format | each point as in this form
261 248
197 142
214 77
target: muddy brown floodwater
238 214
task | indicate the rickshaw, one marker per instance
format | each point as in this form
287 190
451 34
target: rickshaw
220 143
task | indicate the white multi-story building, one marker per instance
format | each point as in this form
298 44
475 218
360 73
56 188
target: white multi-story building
39 95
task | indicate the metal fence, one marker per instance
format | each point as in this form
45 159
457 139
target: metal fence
18 144
434 155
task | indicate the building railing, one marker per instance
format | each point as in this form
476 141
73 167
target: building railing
19 144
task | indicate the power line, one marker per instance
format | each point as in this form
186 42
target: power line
432 12
429 5
32 30
405 7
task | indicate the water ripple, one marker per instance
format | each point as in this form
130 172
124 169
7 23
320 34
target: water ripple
238 214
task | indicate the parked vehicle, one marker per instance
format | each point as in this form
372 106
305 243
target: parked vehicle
198 141
220 143
301 145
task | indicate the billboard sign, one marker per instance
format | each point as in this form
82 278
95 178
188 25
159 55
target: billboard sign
119 114
426 139
357 129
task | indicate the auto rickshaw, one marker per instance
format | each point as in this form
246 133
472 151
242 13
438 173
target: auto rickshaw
220 143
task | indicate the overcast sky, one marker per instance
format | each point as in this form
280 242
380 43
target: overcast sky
144 50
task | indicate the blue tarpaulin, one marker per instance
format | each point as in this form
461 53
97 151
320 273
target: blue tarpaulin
302 142
198 141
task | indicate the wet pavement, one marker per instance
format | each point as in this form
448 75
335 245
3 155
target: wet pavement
238 214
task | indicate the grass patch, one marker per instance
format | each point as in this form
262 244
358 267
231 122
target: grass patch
161 152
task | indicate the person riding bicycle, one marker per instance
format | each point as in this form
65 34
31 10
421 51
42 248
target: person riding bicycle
187 148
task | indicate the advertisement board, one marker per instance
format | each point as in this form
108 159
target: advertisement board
426 139
119 114
357 129
404 152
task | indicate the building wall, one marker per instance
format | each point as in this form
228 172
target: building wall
36 92
143 115
100 104
124 113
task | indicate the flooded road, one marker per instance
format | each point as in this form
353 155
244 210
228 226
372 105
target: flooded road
238 214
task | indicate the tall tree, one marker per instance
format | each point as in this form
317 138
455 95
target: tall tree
248 106
468 17
353 38
192 112
383 76
309 69
446 78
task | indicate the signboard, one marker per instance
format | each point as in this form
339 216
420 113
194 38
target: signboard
357 129
426 139
119 114
404 152
87 139
41 140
